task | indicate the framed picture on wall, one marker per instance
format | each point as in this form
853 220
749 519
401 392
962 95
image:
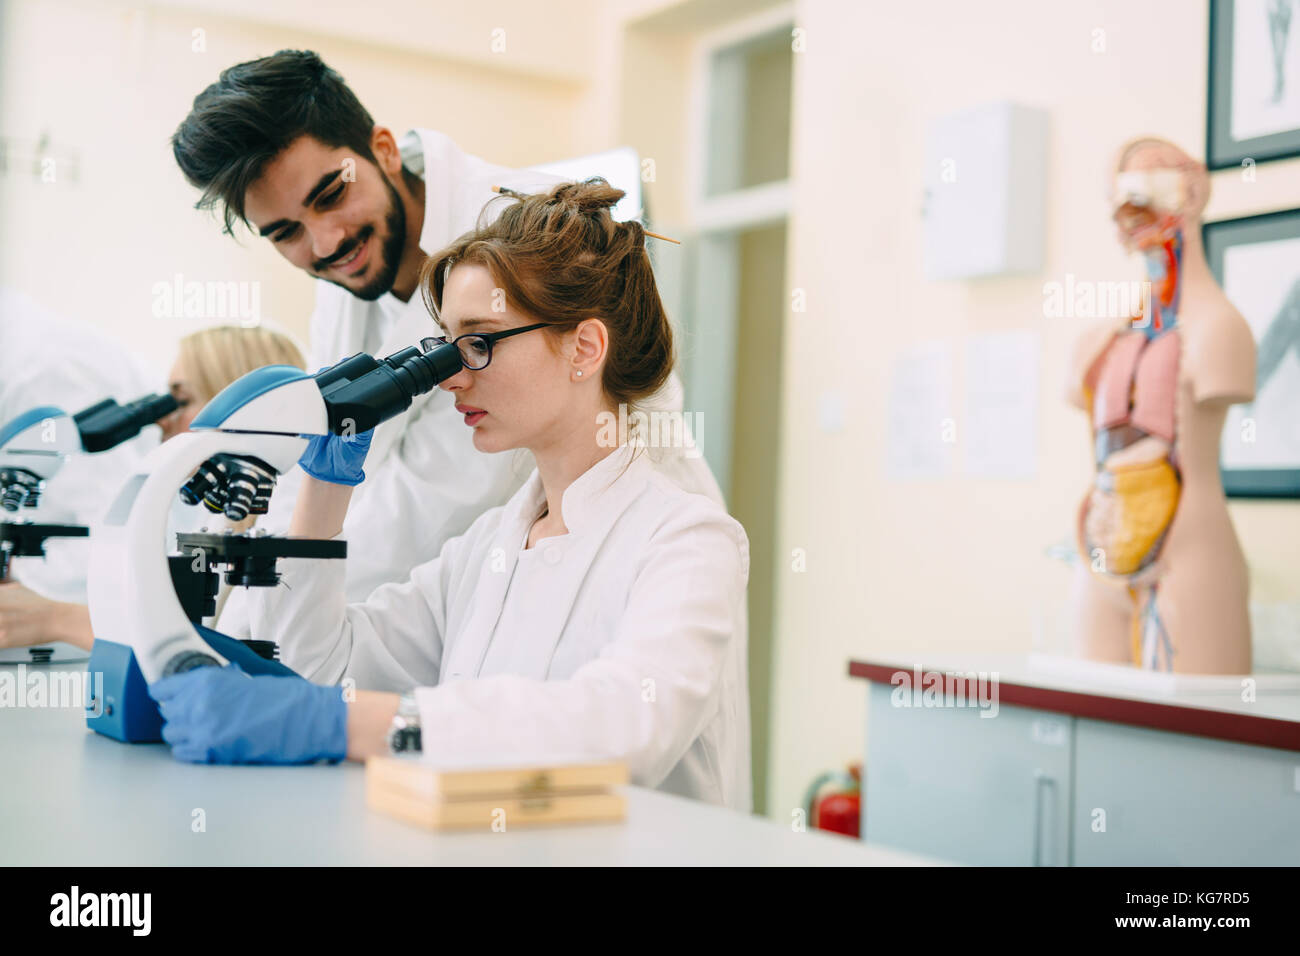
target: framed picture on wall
1254 82
1257 261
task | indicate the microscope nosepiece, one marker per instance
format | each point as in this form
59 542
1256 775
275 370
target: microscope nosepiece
231 485
19 488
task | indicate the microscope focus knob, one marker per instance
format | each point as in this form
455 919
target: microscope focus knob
188 661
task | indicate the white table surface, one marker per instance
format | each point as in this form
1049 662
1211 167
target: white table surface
72 797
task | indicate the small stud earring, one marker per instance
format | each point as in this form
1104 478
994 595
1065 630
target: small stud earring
579 373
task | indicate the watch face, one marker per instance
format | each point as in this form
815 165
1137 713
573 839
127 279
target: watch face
404 740
404 735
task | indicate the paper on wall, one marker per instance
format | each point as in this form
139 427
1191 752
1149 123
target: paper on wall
1000 422
921 423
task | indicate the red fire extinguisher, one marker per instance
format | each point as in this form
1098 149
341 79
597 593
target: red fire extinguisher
838 810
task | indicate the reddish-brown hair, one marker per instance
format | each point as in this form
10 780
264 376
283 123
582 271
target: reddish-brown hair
560 258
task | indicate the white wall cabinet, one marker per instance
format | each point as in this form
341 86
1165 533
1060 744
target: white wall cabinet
985 191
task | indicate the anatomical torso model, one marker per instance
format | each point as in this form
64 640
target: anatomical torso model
1163 582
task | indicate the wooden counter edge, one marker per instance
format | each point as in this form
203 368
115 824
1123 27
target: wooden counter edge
1176 718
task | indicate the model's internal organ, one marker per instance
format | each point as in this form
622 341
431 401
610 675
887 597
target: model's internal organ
1135 491
1129 510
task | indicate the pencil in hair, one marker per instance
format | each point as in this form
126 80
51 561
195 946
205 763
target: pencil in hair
507 191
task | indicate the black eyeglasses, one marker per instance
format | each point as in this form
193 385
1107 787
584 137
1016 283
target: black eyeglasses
476 347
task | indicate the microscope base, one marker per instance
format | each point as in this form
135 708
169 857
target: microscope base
53 653
127 712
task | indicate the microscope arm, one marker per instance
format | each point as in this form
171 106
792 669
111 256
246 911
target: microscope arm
132 598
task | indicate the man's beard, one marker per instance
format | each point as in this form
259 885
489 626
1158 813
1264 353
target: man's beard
390 254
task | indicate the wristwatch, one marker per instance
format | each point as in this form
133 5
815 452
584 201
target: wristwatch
404 732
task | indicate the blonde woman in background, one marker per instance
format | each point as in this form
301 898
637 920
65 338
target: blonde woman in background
210 359
207 361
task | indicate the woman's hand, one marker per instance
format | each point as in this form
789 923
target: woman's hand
223 715
26 618
337 459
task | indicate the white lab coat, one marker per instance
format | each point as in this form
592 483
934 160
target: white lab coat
632 646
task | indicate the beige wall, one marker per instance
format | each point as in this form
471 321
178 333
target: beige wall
113 79
957 564
554 40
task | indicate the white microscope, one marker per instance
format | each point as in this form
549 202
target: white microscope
145 606
33 447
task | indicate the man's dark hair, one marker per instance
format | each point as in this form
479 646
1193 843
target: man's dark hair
256 109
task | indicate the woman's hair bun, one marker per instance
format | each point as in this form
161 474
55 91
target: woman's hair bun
559 257
590 195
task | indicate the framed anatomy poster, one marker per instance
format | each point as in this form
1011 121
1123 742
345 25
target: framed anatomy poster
1254 85
1257 262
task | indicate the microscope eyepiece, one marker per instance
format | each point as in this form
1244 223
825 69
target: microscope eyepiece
107 424
361 392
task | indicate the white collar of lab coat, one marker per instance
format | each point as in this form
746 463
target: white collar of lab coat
604 489
422 148
458 185
425 150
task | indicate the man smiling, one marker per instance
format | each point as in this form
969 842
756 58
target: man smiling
282 146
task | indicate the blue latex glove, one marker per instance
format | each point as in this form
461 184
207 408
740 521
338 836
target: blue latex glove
336 459
222 715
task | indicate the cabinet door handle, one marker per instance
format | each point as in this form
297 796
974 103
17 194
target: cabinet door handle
1041 781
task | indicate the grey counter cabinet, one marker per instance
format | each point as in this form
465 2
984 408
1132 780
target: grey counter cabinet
1169 799
972 789
1031 787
